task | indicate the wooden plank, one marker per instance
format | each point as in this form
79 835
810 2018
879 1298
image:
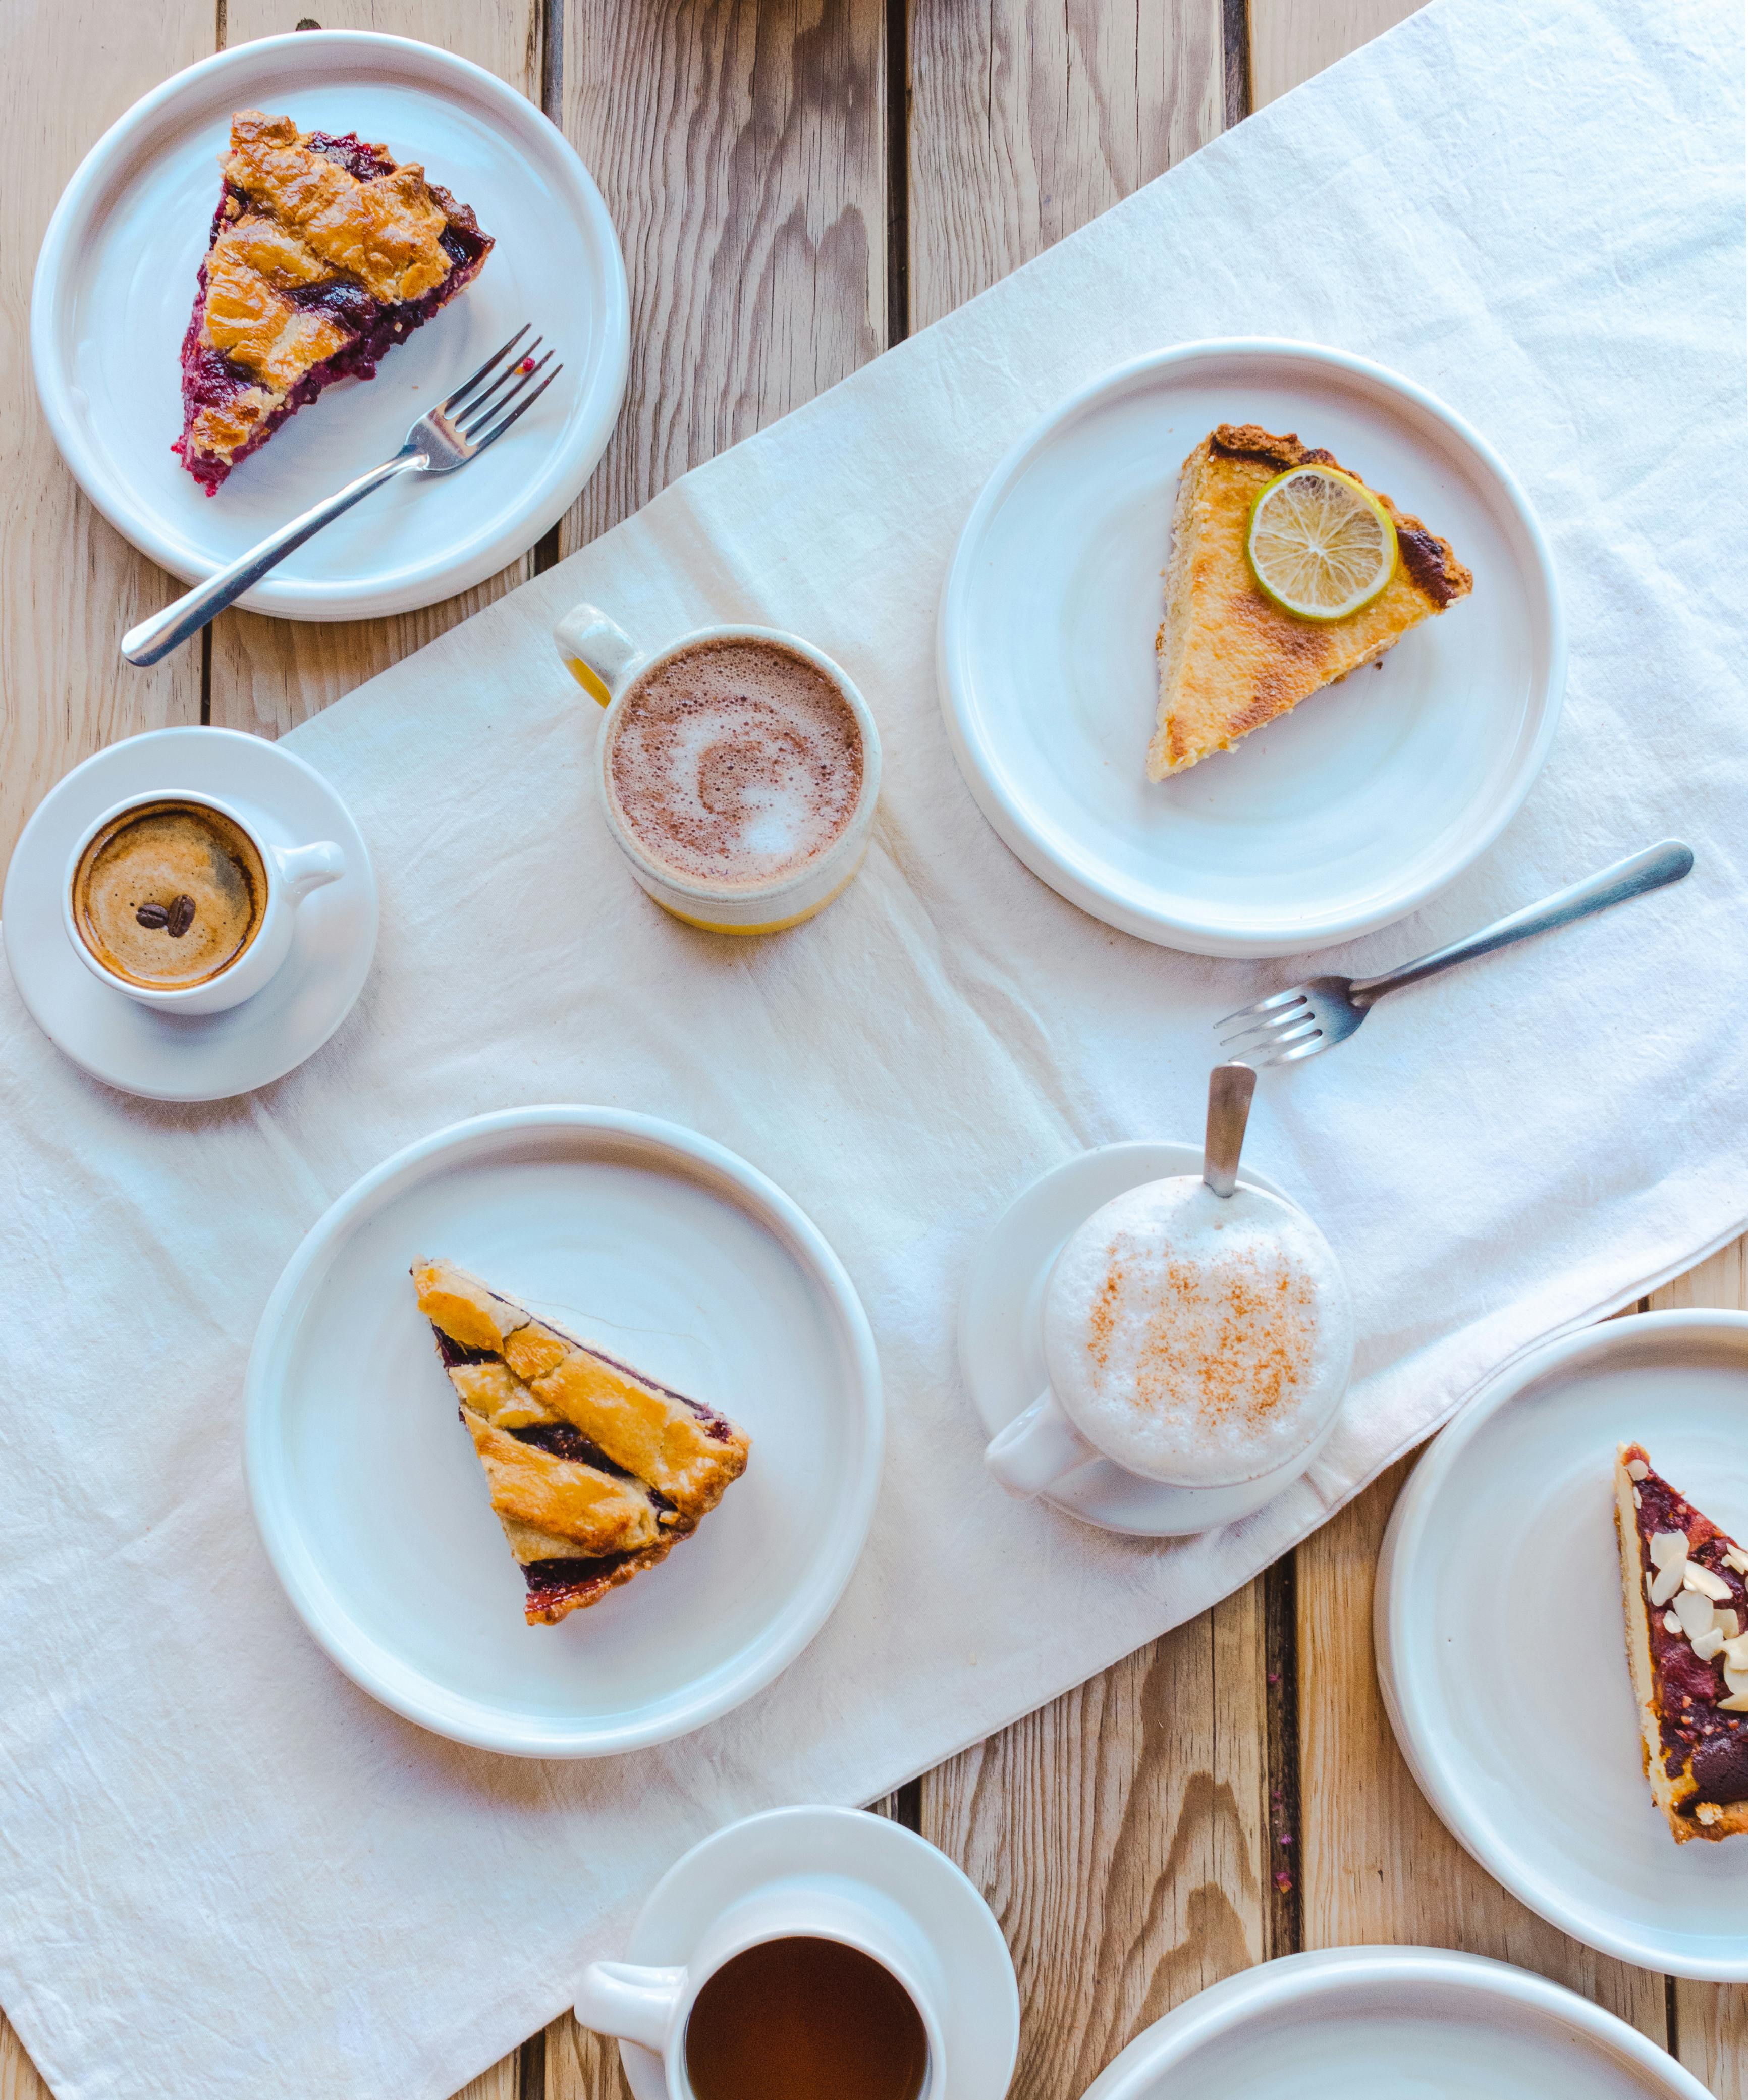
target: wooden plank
1122 1833
1378 1865
1710 2020
267 675
1119 1834
72 66
1292 39
501 2082
19 2077
742 150
1028 117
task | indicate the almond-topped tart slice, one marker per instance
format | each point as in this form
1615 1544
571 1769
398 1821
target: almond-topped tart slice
594 1469
1287 572
1686 1600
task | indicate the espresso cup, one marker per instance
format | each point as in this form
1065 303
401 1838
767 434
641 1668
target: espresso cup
1196 1340
615 671
653 2007
285 876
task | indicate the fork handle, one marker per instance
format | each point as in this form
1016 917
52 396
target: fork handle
1640 872
187 616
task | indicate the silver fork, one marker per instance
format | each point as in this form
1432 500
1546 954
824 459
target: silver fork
1323 1012
444 438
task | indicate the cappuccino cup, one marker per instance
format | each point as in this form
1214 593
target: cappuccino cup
1194 1339
179 902
738 768
813 1984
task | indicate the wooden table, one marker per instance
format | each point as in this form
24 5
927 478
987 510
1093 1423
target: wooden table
798 185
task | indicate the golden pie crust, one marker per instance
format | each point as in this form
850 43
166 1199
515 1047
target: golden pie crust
1231 659
594 1469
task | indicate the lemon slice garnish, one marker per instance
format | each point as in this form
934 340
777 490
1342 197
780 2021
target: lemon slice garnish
1320 545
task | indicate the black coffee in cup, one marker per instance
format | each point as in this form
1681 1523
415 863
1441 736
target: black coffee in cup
801 2018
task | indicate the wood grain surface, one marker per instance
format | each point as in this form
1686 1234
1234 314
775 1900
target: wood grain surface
798 184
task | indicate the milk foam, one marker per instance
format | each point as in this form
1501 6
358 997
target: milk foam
1195 1338
736 762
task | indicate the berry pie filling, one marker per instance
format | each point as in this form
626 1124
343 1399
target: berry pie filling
323 254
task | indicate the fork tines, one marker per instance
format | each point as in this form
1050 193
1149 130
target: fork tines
1274 1030
488 414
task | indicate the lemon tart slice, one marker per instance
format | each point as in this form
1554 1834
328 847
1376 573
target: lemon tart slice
1684 1586
1231 655
594 1469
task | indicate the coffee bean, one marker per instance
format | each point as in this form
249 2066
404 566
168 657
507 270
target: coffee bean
152 915
181 917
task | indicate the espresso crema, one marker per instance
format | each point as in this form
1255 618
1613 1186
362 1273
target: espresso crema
735 762
169 894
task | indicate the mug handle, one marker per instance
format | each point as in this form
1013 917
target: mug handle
1036 1448
597 651
304 868
635 2005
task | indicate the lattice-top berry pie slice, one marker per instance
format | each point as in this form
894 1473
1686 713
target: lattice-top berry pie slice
594 1469
1683 1583
325 254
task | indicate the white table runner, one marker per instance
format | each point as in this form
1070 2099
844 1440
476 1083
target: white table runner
224 1871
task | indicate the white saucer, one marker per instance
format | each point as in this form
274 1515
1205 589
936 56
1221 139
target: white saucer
1388 2022
1337 818
115 285
191 1057
979 1998
1001 1337
1498 1633
673 1253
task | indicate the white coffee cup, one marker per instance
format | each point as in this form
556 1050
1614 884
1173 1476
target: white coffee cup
292 873
1148 1375
607 663
651 2006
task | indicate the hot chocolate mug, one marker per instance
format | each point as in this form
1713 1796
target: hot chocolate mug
653 2007
611 669
288 875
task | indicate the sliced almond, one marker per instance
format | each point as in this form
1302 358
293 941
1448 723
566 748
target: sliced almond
1736 1558
1671 1624
1709 1644
1667 1582
1735 1649
1736 1680
1730 1622
1667 1545
1638 1499
1694 1613
1737 1703
1637 1469
1695 1576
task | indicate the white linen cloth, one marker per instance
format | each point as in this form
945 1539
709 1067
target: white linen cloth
225 1871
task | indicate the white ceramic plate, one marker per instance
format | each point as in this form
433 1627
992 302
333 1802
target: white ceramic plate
1339 818
1393 2023
1499 1640
670 1251
115 285
1001 1337
193 1058
980 1999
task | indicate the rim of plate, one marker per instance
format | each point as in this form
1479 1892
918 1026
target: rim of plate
408 1691
1397 1676
566 468
1122 904
1301 1979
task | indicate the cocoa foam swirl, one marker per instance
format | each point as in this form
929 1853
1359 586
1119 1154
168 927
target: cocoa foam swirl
735 762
